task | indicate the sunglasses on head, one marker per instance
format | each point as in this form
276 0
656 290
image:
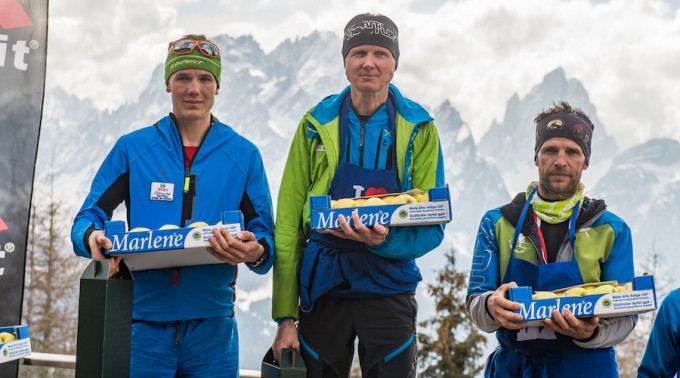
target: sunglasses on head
185 46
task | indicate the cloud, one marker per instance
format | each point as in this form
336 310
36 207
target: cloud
475 54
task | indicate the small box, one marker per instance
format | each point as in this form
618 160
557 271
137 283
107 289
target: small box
157 249
436 210
18 348
641 298
291 365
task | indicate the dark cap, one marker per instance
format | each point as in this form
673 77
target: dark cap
371 29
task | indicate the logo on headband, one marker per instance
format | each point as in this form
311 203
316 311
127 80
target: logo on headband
554 124
374 27
578 130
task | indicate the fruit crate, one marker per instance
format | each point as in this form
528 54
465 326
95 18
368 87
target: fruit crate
168 248
636 297
14 343
410 208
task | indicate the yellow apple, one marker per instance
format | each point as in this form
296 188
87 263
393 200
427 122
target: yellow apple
543 295
374 201
198 224
388 199
403 198
589 289
140 229
168 227
6 337
345 202
604 289
423 197
360 201
575 292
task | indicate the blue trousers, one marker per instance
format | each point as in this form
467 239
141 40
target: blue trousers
191 348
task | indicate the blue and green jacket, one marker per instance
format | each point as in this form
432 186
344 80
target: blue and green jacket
312 161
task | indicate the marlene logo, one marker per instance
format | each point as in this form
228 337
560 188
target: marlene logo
534 311
146 243
330 220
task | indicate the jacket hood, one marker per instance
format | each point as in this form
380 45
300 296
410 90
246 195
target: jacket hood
329 107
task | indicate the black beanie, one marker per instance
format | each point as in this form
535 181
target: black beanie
568 125
371 29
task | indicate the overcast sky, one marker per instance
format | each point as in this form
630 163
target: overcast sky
475 53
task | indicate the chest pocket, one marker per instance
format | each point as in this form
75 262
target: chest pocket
318 161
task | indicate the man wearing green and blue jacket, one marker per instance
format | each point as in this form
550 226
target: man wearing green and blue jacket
349 283
186 167
549 237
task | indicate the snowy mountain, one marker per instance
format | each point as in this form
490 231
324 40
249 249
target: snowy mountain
263 96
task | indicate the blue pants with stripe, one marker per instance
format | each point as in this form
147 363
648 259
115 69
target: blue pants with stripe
384 326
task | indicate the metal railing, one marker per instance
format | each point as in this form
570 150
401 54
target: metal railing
65 361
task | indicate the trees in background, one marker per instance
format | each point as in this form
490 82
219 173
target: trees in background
51 290
451 345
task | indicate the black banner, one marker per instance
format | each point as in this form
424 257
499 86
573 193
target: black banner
23 50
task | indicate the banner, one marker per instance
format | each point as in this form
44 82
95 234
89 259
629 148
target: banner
23 50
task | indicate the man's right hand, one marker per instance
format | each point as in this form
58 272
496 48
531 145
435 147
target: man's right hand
501 308
98 242
286 337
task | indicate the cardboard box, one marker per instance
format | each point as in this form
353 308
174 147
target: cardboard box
436 210
291 365
156 249
641 298
21 347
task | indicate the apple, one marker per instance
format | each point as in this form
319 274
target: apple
168 227
575 292
345 202
374 201
140 229
543 295
198 224
604 289
589 289
388 199
6 337
403 198
422 197
360 201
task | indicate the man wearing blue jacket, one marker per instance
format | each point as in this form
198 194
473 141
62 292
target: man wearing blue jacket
183 318
551 236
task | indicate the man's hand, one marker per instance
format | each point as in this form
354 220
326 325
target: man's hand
286 337
371 236
569 325
98 242
233 250
500 308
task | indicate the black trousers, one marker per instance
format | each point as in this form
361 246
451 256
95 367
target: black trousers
385 327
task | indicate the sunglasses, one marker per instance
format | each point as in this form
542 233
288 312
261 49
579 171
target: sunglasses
185 46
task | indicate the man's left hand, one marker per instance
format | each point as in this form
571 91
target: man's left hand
233 250
372 236
569 325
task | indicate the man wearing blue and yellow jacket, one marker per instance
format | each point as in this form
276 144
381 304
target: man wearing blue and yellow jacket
187 167
549 237
347 283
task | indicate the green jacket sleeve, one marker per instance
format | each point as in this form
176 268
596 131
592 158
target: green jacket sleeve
288 233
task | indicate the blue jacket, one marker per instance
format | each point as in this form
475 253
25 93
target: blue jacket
662 355
229 175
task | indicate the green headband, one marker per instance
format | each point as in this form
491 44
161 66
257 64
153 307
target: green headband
193 60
